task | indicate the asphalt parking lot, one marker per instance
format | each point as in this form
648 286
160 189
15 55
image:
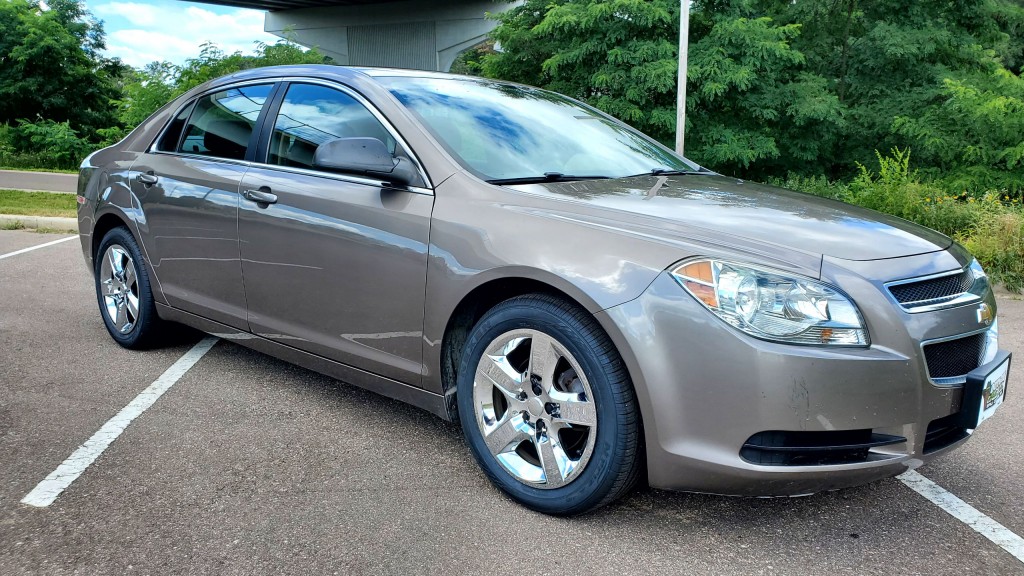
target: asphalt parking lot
248 465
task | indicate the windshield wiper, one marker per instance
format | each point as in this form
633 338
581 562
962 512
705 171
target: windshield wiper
665 172
546 177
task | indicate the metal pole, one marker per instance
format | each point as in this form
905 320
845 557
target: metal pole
684 43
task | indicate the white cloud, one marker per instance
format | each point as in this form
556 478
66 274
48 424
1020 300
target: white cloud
175 31
138 14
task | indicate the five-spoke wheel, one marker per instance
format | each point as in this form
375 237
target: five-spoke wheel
535 408
547 406
120 288
123 290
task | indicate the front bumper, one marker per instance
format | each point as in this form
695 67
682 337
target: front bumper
706 389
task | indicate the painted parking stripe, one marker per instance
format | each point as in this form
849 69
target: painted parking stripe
964 512
31 248
47 491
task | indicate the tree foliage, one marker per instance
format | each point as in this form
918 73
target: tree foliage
59 97
151 87
51 67
618 55
777 87
973 130
213 62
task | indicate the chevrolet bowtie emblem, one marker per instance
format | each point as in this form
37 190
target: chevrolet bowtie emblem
984 314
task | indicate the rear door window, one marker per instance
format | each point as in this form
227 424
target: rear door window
222 123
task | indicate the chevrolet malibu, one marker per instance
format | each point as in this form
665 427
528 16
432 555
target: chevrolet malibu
594 309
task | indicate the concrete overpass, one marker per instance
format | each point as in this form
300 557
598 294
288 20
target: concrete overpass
420 34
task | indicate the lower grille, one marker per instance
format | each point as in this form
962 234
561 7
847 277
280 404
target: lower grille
780 448
954 358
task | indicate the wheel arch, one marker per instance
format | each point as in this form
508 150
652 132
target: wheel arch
486 295
105 224
111 216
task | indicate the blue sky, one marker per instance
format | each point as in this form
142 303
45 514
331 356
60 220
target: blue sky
142 31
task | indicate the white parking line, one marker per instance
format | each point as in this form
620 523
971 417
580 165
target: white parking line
31 248
47 491
964 512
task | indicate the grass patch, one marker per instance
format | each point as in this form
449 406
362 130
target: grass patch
16 225
34 169
37 203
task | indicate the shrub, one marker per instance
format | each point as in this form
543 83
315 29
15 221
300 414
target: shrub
998 243
42 144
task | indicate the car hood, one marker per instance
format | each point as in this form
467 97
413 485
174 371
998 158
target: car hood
769 215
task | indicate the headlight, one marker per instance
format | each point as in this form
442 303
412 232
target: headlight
771 306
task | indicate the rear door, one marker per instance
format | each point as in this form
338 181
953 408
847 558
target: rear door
188 185
337 265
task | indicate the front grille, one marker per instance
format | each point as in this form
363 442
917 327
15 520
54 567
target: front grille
954 358
933 290
784 448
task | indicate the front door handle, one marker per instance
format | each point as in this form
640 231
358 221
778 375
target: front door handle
148 178
261 196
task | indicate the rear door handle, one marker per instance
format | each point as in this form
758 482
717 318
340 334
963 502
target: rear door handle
261 196
148 178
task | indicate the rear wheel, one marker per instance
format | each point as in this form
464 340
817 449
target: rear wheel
547 406
123 291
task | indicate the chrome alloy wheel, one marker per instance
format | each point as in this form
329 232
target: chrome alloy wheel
120 287
535 408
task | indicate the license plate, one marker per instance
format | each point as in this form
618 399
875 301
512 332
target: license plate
993 391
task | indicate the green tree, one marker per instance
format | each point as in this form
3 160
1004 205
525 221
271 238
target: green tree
777 87
144 91
618 55
470 62
213 62
888 59
973 132
147 89
751 104
51 67
753 108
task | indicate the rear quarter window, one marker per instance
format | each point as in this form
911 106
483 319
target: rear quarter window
168 142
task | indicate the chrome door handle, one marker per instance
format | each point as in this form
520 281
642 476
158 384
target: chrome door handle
262 196
148 178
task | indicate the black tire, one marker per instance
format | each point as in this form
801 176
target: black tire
616 461
144 330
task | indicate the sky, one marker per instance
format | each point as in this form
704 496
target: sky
143 31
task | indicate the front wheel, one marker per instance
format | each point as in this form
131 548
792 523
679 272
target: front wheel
123 291
547 406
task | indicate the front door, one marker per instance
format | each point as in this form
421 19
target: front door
336 265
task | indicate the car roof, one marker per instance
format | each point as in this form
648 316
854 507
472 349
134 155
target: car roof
329 71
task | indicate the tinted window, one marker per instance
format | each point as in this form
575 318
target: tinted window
502 131
169 141
223 122
311 115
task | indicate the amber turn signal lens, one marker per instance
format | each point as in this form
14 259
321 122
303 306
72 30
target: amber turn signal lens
700 270
699 279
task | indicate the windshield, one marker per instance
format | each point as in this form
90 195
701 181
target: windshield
507 132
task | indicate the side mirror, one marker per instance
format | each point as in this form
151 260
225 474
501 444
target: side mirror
363 156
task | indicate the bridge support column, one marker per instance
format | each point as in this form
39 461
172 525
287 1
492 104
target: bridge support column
425 35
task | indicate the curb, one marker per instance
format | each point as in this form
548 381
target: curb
50 222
